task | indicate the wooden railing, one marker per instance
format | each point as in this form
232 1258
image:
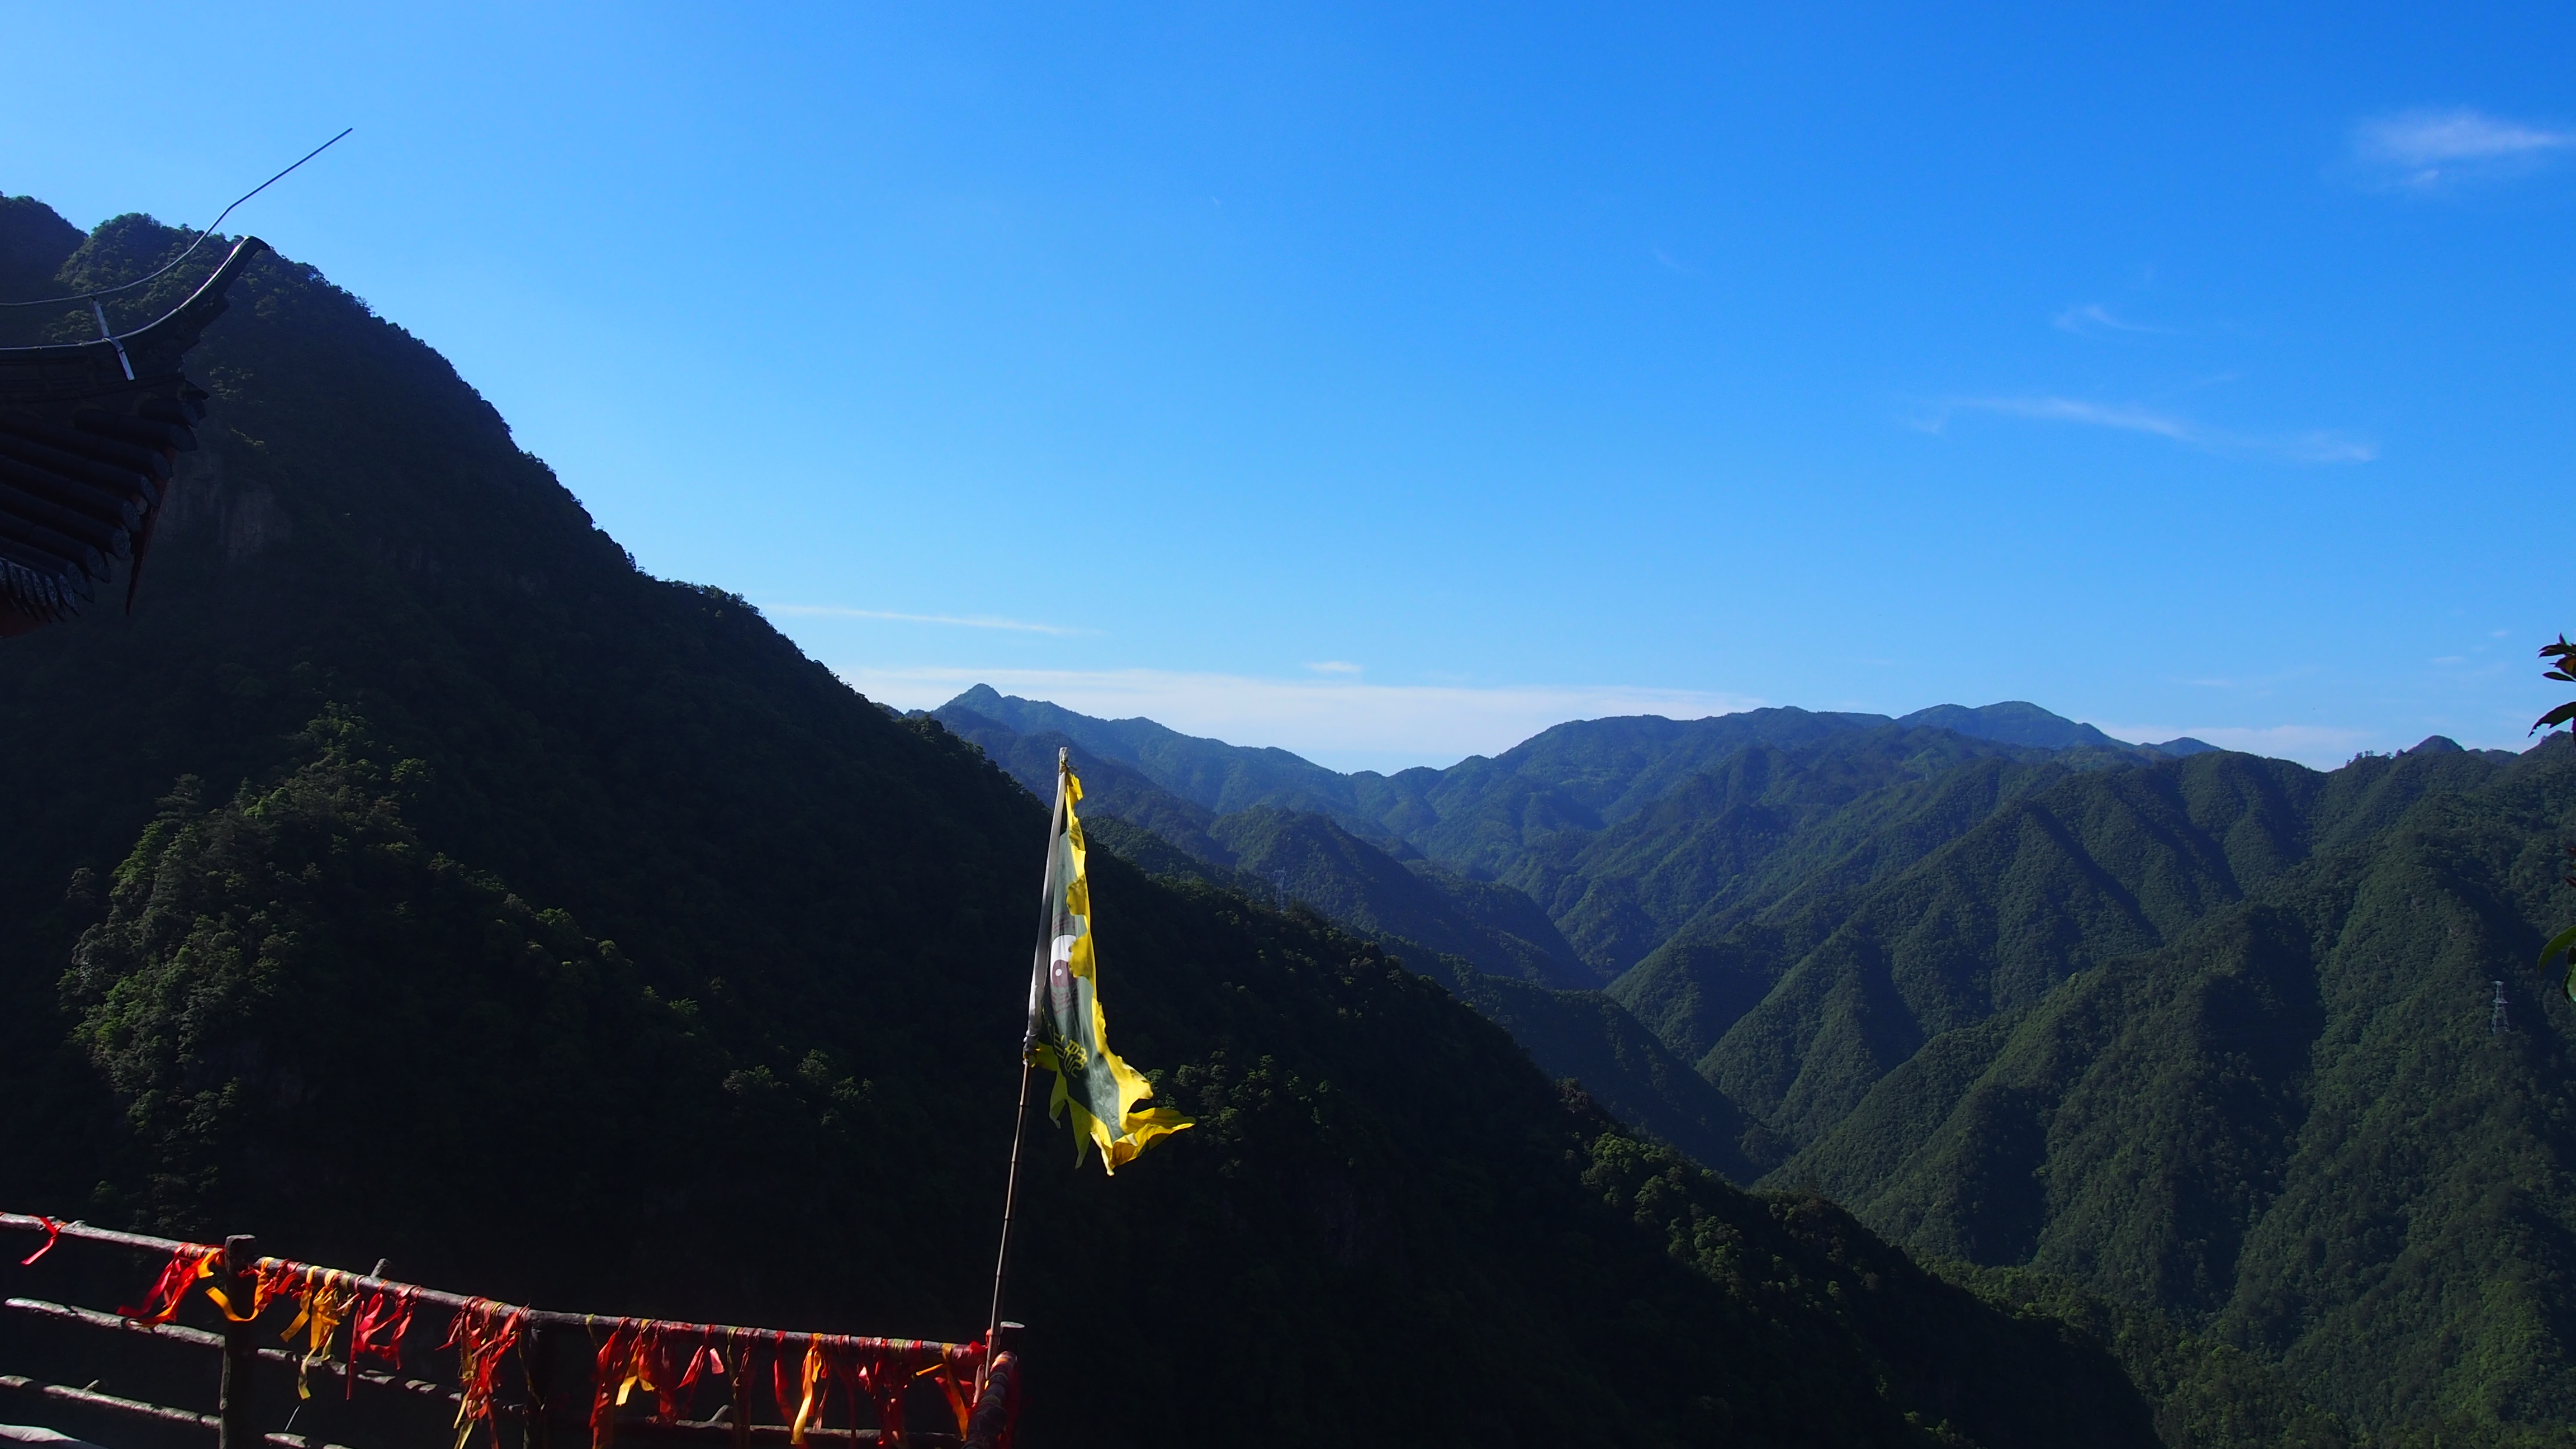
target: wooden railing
510 1371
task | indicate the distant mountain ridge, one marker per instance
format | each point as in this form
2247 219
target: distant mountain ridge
1532 880
1209 773
1596 819
2019 722
2166 1024
1640 752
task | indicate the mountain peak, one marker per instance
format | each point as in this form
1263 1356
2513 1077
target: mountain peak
2181 745
35 241
2013 722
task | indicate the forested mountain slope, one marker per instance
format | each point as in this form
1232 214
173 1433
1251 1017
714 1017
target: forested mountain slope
1726 956
2293 1123
1301 855
1211 774
1763 822
2201 1033
1487 942
2100 865
1480 814
1851 803
409 876
1110 790
1624 829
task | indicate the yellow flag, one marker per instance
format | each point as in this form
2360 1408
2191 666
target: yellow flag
1072 1037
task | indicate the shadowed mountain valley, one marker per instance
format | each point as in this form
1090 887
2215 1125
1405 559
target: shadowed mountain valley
410 876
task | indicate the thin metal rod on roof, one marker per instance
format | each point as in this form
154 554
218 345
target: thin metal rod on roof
108 335
192 246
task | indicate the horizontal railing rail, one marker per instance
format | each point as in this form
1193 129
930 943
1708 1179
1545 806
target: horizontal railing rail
348 1317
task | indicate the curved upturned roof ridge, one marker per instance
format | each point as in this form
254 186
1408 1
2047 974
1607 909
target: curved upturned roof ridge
90 435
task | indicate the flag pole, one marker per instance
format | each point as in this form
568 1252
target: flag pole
1028 1042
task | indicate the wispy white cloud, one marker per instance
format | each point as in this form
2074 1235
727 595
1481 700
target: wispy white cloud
963 621
2075 410
1334 666
2093 317
1665 260
1340 722
2307 447
2426 147
2430 137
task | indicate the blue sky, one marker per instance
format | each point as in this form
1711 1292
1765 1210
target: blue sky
1387 382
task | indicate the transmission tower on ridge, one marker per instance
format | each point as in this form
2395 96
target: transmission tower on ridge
2496 1023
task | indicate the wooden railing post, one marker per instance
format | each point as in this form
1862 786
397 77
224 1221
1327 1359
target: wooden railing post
534 1353
235 1428
991 1420
741 1401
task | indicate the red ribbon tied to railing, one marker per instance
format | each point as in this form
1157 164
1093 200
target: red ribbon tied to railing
188 1263
53 1235
605 1376
381 1326
481 1334
669 1360
377 1333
